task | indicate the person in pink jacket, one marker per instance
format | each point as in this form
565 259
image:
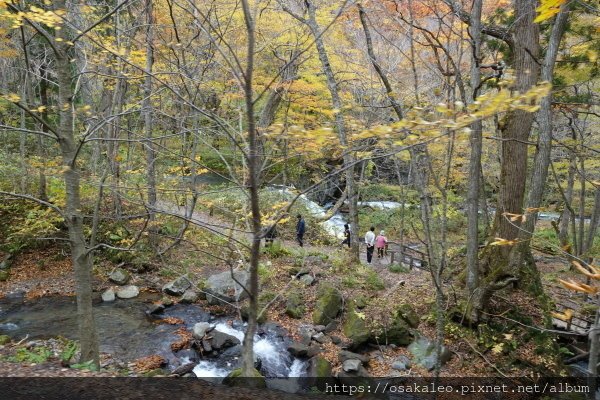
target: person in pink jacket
380 243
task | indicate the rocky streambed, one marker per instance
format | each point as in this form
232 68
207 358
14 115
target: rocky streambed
135 328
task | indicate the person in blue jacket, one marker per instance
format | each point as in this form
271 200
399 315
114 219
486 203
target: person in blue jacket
300 229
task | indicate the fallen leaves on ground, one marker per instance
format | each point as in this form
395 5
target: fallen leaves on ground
149 363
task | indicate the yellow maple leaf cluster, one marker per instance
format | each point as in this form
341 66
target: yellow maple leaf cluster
548 9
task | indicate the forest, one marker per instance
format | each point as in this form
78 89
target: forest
315 189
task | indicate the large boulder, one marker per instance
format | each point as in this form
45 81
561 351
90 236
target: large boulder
178 286
355 329
222 340
401 327
424 354
222 288
119 276
329 305
128 292
295 305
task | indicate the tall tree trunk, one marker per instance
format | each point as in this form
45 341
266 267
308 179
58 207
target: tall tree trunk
475 140
254 168
332 86
544 148
497 268
81 257
147 106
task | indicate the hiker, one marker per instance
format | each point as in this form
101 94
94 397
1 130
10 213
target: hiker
346 235
381 244
370 241
270 235
300 228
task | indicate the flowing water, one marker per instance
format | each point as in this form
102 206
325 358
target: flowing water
128 333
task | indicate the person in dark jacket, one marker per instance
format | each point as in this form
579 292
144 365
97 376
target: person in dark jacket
300 229
346 235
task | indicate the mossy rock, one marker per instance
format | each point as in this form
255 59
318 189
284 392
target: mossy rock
319 367
4 339
356 329
4 274
408 314
294 306
400 329
329 305
235 379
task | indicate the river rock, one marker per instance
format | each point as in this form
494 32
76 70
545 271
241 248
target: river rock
108 295
401 363
177 287
119 276
222 340
298 349
360 372
222 289
329 305
424 353
320 337
351 365
189 296
345 355
200 330
184 369
306 333
294 305
128 292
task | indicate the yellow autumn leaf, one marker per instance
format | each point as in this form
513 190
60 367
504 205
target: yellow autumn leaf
497 349
13 97
548 9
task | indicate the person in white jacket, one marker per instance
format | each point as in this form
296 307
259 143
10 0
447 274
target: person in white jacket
370 241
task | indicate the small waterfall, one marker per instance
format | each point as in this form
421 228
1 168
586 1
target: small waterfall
298 369
334 225
207 369
269 348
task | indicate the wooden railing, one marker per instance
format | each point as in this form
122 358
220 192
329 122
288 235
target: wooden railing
408 255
